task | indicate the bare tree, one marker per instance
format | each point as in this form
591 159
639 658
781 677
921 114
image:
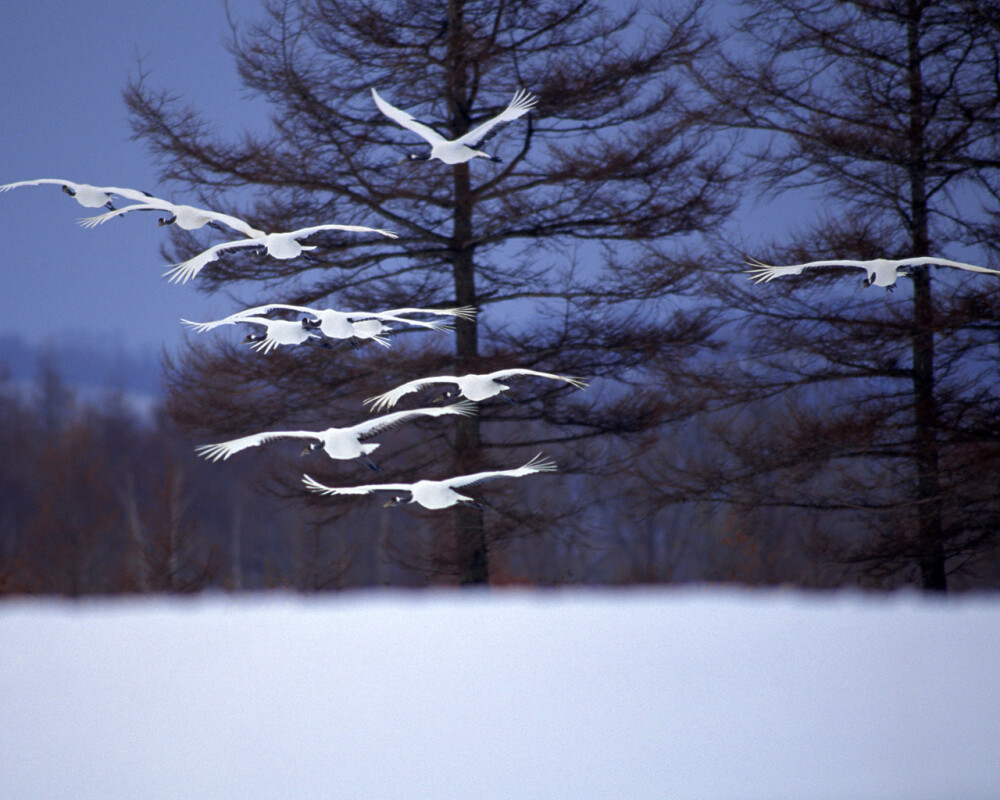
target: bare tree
71 543
171 556
563 247
889 110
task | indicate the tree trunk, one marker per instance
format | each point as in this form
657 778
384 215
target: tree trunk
929 528
470 533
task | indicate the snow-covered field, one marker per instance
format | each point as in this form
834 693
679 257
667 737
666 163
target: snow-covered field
684 693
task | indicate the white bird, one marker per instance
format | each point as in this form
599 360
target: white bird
187 217
338 443
881 271
86 195
435 494
370 324
285 331
278 332
278 245
349 324
474 387
463 148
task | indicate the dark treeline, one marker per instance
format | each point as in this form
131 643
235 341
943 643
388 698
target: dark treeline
103 496
805 431
100 497
97 497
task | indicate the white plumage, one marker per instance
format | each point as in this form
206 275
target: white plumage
278 332
338 443
332 323
86 195
881 271
187 217
335 324
351 324
278 245
463 148
434 494
474 387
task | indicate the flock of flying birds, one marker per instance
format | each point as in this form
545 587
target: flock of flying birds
319 327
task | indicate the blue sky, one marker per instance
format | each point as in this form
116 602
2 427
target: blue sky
63 68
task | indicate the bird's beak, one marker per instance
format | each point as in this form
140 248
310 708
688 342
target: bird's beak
388 503
305 451
439 399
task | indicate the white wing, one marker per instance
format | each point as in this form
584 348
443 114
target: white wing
256 310
237 224
409 122
223 450
762 272
201 327
400 315
522 103
239 316
944 262
434 326
100 219
155 204
8 186
314 485
465 408
265 345
302 233
390 398
537 464
183 272
462 312
128 194
579 383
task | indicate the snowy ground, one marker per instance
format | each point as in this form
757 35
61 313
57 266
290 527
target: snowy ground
698 693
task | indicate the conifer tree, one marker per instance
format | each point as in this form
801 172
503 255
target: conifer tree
565 247
884 405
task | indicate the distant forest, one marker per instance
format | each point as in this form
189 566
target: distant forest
99 495
826 428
